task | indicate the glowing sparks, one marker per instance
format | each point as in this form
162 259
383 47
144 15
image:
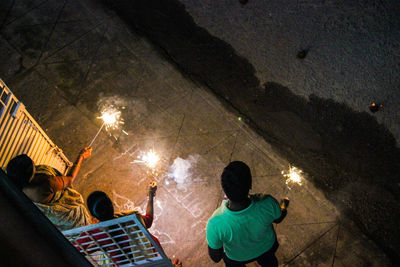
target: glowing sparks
150 159
112 118
109 118
293 176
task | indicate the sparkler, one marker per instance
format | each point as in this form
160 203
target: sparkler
150 159
293 176
111 120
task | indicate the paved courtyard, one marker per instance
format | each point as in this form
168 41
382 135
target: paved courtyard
69 60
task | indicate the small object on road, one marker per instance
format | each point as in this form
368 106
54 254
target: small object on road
302 53
374 107
243 2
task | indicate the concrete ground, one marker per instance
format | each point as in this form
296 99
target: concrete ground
67 60
352 47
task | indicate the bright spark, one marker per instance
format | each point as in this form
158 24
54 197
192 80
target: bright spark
111 118
150 159
293 176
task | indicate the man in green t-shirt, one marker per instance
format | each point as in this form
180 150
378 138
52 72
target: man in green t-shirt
240 231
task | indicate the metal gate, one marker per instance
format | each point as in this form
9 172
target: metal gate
21 134
122 241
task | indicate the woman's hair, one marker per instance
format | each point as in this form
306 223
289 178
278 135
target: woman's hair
100 206
21 170
236 181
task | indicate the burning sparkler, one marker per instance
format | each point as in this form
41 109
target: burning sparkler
111 120
150 159
293 176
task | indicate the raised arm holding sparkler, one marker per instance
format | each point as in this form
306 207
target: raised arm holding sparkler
84 154
148 218
102 208
53 195
48 181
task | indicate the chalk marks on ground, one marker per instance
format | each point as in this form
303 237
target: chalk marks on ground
183 188
123 203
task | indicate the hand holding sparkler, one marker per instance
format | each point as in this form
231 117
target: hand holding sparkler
86 152
152 189
176 262
150 204
284 203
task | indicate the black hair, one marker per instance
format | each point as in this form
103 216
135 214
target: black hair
100 206
236 181
21 170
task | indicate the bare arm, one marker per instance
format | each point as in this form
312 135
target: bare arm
84 154
150 206
148 218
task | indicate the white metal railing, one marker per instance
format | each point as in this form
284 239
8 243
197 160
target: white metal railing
21 134
122 241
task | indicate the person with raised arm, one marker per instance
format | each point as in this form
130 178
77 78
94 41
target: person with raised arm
51 191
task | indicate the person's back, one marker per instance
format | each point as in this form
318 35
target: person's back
46 182
240 230
244 234
51 191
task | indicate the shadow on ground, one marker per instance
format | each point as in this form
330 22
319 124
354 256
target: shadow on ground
351 157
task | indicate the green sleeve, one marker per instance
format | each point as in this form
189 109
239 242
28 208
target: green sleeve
272 206
276 208
213 239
